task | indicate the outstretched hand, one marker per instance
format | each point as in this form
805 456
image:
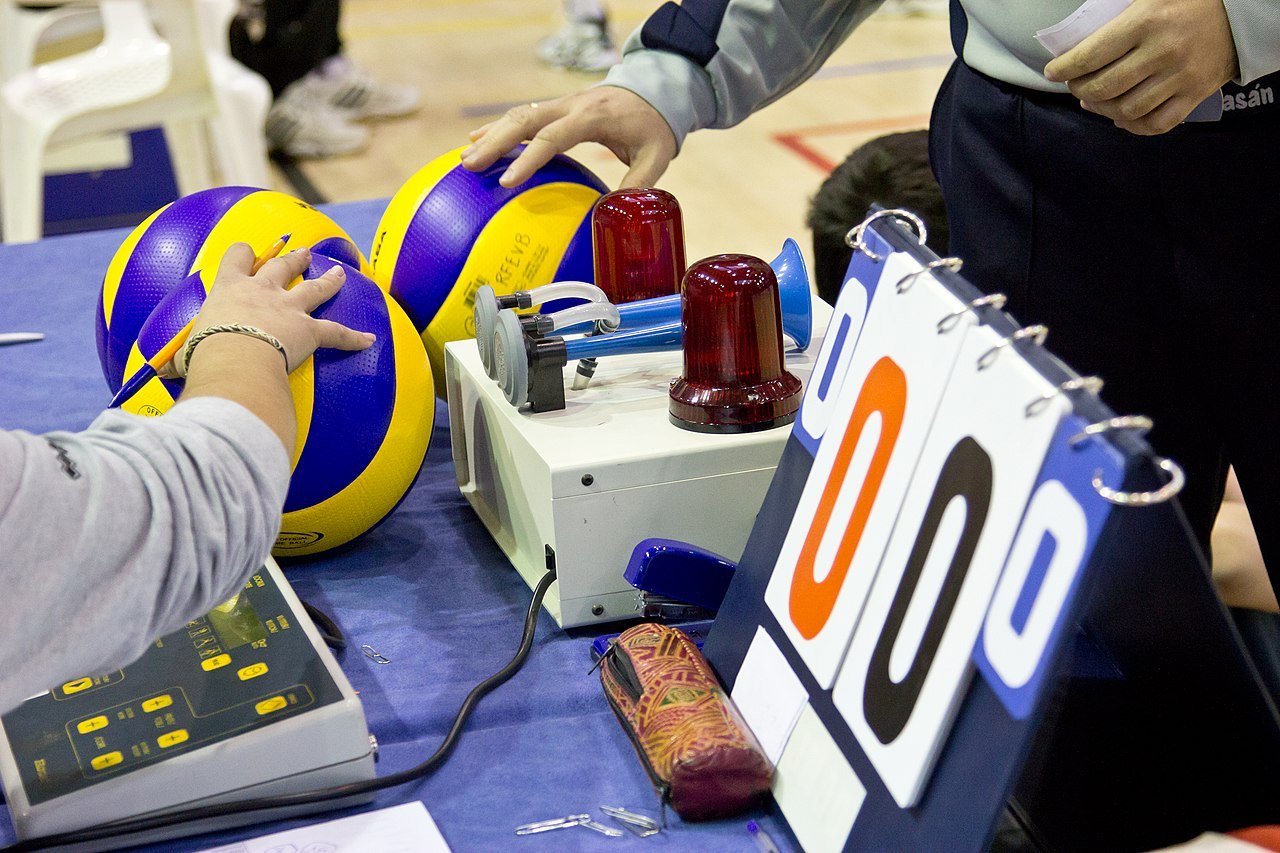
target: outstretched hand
617 118
1149 68
262 299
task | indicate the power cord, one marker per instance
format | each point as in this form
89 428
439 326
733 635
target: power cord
328 629
137 825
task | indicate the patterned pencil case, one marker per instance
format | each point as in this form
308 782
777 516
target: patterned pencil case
700 755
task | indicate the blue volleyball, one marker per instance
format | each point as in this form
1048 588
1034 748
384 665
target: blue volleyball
364 418
189 237
448 231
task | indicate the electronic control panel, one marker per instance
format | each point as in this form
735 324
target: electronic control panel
243 701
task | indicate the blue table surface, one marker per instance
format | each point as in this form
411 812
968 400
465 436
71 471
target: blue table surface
429 589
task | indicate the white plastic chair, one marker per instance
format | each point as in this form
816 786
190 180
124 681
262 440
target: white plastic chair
22 24
134 79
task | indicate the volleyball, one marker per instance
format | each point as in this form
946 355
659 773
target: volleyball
448 231
364 418
189 237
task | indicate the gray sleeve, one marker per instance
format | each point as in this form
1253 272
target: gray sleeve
756 53
116 535
1255 26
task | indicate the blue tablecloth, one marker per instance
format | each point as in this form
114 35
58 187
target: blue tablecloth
429 589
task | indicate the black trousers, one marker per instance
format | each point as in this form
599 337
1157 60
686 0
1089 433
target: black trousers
1150 259
297 35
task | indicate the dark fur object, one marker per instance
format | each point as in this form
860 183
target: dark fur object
892 171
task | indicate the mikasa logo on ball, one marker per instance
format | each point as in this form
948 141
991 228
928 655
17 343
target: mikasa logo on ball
286 541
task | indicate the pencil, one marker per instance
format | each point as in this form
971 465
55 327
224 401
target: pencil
157 362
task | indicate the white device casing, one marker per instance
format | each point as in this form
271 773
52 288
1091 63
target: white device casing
610 469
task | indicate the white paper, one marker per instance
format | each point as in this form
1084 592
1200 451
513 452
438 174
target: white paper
768 695
406 828
1079 25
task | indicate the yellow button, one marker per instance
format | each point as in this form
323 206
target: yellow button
77 685
253 670
91 725
110 759
275 703
172 738
214 663
157 702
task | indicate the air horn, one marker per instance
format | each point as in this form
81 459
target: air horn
793 289
528 365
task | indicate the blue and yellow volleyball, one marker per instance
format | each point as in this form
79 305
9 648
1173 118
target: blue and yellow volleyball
364 418
449 230
190 237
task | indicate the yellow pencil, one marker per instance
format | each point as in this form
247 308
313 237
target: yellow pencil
157 362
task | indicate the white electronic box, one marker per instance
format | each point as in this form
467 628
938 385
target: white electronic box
583 485
244 702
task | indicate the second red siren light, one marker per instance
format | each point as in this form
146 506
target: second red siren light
637 238
734 375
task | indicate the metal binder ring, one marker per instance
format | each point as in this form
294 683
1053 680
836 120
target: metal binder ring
1092 384
854 238
1139 423
995 300
1039 333
1177 479
953 264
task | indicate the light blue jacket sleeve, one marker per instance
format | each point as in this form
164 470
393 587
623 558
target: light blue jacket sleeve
1255 27
112 537
711 63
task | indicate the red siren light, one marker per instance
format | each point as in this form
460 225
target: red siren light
637 240
734 379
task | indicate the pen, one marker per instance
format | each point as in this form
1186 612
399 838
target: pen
761 838
157 362
7 338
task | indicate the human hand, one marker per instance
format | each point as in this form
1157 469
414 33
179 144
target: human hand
1149 68
617 118
263 300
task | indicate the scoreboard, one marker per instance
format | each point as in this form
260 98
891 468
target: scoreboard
930 615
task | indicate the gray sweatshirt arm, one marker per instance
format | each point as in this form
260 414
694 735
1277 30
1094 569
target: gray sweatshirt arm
114 536
1255 26
711 63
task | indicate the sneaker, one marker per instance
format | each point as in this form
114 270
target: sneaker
302 124
350 89
580 46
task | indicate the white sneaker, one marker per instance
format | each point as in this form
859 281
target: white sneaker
349 88
302 124
580 46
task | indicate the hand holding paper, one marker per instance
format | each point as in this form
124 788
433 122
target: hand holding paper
1151 66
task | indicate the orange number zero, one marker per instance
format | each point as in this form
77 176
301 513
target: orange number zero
884 391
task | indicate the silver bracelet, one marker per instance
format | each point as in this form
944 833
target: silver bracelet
237 328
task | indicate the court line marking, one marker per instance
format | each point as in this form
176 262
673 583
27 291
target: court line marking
794 140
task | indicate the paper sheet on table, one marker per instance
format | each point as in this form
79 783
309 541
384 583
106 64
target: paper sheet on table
405 828
1085 21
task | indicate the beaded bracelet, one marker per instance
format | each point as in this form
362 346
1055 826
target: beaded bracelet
237 328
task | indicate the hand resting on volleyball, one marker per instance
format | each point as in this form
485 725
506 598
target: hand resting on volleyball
250 371
617 118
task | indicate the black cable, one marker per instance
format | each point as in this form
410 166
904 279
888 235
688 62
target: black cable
279 801
328 629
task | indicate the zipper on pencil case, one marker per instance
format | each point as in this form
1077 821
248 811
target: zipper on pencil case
621 672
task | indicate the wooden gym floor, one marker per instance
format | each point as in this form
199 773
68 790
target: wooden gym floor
741 190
